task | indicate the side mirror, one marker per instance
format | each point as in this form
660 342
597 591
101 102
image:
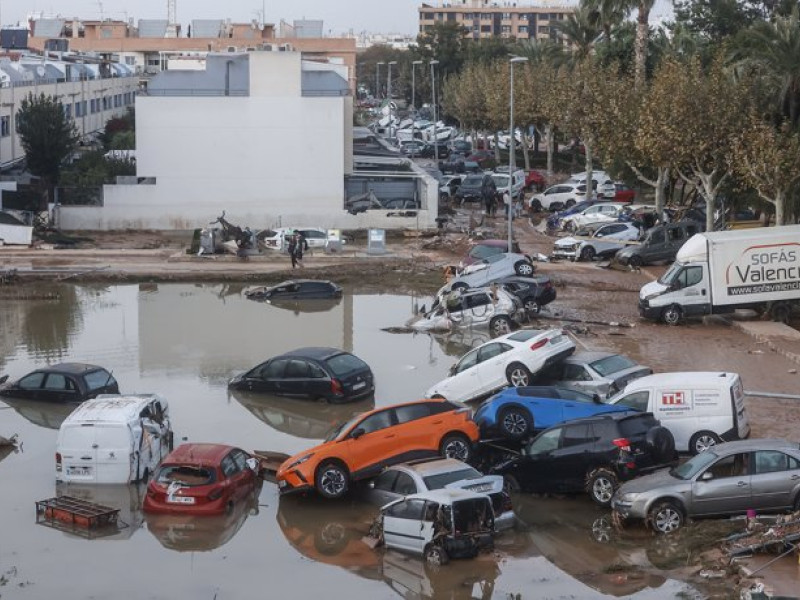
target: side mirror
357 433
452 370
4 378
707 476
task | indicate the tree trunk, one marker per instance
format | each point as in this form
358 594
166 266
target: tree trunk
663 176
548 134
640 45
780 206
526 155
536 137
497 147
587 144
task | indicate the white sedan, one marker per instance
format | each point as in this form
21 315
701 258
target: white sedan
597 213
511 359
604 242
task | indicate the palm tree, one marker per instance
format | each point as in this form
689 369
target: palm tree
642 34
606 13
580 31
770 52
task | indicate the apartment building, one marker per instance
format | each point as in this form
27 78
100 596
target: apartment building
484 18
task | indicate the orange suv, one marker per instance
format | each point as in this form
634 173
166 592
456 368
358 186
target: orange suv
367 443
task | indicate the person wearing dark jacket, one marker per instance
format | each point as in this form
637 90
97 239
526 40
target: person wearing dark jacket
301 245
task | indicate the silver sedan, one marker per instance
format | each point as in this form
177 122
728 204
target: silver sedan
725 480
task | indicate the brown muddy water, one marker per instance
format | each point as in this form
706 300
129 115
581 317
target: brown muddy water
185 342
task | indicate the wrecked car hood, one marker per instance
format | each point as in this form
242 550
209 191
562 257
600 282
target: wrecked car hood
489 484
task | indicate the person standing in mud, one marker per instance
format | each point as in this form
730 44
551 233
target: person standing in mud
301 245
292 249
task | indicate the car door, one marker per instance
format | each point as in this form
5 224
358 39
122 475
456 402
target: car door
269 377
479 309
577 405
724 487
656 249
492 359
695 299
405 527
579 378
535 471
464 380
30 386
571 461
296 377
775 477
411 431
318 384
58 387
382 488
372 444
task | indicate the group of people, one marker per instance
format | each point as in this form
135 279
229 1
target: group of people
296 246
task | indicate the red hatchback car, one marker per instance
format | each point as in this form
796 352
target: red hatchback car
201 479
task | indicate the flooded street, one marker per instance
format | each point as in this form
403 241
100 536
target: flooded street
186 341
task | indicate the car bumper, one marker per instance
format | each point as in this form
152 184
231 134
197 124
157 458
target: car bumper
209 509
629 510
571 254
293 482
649 312
546 296
505 521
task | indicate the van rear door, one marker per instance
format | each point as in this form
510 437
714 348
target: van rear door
740 419
78 453
116 461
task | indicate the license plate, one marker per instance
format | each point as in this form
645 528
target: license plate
180 499
80 471
360 385
282 483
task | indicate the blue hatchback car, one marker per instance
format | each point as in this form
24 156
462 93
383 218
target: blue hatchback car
517 412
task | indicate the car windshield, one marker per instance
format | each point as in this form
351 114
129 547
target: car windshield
500 180
98 379
437 482
484 251
694 465
186 475
338 429
667 278
342 364
612 364
475 181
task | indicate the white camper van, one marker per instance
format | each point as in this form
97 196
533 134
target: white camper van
699 408
113 439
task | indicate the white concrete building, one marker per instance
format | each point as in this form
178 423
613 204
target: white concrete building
262 135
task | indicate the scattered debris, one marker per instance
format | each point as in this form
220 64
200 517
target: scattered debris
77 516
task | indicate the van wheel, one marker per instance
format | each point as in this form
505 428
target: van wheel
601 485
587 254
662 443
672 315
702 441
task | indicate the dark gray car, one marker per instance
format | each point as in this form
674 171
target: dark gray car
602 373
727 479
660 244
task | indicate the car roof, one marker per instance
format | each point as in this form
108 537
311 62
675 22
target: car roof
421 401
588 356
110 408
425 468
755 444
300 281
198 454
71 368
493 243
683 378
448 495
319 353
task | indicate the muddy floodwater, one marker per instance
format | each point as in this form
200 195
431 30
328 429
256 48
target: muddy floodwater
185 342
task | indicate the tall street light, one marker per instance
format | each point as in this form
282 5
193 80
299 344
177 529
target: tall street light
389 95
512 150
378 79
433 63
414 97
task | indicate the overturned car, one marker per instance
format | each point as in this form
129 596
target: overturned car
484 307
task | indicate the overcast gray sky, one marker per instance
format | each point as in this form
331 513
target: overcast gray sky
339 16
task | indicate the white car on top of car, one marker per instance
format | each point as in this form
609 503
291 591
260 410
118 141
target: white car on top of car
604 212
491 269
512 359
605 241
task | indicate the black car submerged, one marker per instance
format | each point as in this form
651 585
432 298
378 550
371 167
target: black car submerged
316 373
64 382
297 289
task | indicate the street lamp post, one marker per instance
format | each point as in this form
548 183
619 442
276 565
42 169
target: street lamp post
414 98
433 63
512 150
378 79
389 95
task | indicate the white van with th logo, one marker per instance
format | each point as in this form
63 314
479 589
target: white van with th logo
113 439
699 408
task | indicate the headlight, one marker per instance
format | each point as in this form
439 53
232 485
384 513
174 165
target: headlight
628 498
300 461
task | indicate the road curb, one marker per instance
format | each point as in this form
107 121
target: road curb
751 328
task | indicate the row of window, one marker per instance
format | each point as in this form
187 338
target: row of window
440 16
84 107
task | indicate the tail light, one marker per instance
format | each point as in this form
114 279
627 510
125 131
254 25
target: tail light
622 444
336 387
58 462
540 344
215 494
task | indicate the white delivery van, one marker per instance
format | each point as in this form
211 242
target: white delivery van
699 408
721 271
113 439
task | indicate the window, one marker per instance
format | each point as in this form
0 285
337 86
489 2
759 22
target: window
376 422
772 461
130 61
99 379
411 412
58 382
576 373
505 29
5 126
297 369
546 442
576 435
469 361
492 350
407 509
404 484
475 300
691 230
730 466
675 234
522 29
274 369
342 364
612 364
240 458
506 16
575 396
385 480
229 466
68 110
657 237
315 372
78 109
689 276
636 400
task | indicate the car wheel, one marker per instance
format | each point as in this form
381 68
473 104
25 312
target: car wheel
518 375
797 503
457 446
536 205
781 313
511 484
635 261
570 203
601 485
569 226
587 254
532 306
523 268
436 556
661 444
332 480
515 422
665 517
460 286
672 315
702 441
500 325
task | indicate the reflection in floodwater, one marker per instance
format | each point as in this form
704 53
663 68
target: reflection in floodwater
127 498
301 418
49 325
43 414
578 538
6 450
189 533
411 577
304 306
330 532
460 341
